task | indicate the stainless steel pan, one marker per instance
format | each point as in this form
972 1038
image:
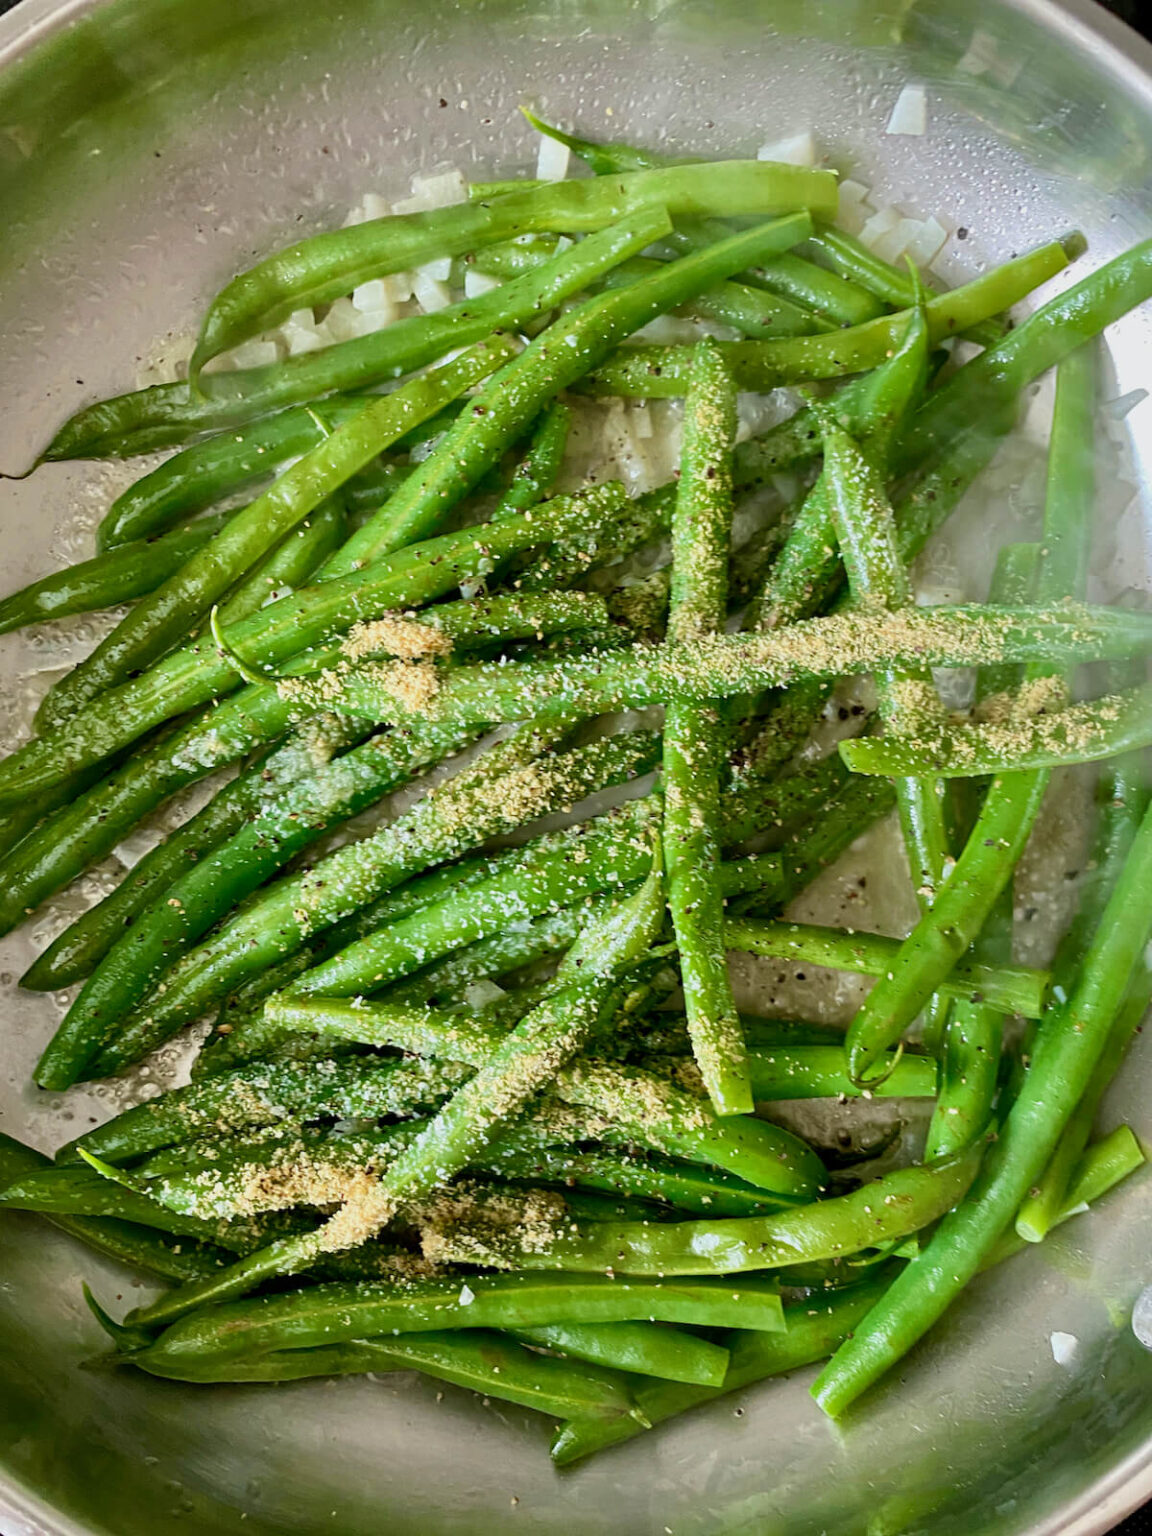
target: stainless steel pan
148 148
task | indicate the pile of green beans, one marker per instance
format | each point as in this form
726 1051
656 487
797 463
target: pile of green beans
478 1099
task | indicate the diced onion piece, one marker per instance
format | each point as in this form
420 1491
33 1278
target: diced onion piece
1065 1347
440 269
796 149
398 286
478 994
440 188
878 225
300 339
340 323
855 206
371 295
256 353
430 293
552 159
910 114
478 283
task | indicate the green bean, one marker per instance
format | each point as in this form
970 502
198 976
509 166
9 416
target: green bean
197 673
204 893
654 372
537 470
969 1073
136 1246
194 479
1101 1168
813 1330
76 952
154 626
821 1072
1013 800
842 303
686 1186
87 829
693 746
1041 1208
1070 1042
1079 733
507 786
723 665
819 293
632 1102
816 1326
556 870
116 576
289 564
520 1065
263 1093
331 264
644 1349
481 1360
1012 988
556 358
172 413
889 1207
600 542
847 256
1121 795
1051 333
335 1313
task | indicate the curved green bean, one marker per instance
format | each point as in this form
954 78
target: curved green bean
1012 988
116 576
328 265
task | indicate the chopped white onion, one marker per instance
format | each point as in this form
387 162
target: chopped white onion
255 354
429 293
552 159
1065 1347
440 269
478 283
879 224
928 240
370 295
478 994
796 149
910 114
440 188
855 206
300 339
340 322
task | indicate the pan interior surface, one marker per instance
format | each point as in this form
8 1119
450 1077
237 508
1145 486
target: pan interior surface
149 148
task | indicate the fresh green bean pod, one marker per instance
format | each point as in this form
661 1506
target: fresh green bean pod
328 265
197 672
264 1093
644 1349
154 626
210 888
115 576
555 359
335 1313
482 1360
537 470
813 1330
726 665
1012 988
1087 732
1070 1043
656 372
888 1208
139 1247
1013 800
992 381
510 784
191 480
693 744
